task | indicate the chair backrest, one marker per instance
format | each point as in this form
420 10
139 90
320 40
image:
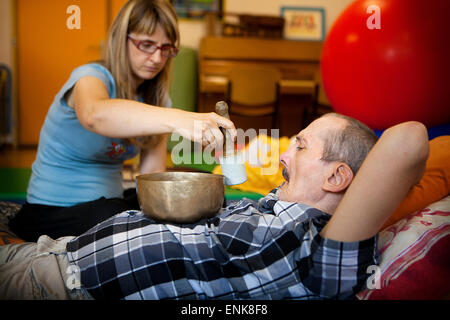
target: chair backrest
253 85
253 93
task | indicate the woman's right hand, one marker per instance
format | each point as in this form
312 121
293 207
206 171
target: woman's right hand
119 118
203 127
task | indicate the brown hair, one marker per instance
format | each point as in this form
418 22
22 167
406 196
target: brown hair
140 16
350 145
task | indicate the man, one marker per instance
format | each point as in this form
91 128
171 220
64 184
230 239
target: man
314 237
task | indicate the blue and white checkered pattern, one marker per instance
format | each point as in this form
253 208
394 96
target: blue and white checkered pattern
266 250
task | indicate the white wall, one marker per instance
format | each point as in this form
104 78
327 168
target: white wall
191 31
273 7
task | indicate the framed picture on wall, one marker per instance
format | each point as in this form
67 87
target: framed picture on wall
303 23
196 8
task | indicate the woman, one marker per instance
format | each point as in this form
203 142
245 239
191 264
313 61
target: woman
99 119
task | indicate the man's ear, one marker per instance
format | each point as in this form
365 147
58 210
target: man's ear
339 178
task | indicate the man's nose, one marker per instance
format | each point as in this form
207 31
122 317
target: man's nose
286 156
284 159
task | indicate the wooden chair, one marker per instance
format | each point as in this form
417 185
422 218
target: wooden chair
253 94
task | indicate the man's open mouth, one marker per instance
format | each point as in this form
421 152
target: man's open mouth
285 174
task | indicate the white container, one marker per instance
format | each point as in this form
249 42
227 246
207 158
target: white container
233 168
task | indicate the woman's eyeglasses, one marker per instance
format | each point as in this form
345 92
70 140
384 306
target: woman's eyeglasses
147 46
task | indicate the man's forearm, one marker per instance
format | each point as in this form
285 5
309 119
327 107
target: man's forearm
394 164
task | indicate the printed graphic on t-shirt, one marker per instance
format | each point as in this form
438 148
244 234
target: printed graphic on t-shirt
116 150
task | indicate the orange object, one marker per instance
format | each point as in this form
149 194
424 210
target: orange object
7 237
48 51
434 185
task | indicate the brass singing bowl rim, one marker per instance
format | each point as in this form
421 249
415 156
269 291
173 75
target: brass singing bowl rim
187 186
178 176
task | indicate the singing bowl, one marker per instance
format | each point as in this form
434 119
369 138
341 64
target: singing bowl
180 197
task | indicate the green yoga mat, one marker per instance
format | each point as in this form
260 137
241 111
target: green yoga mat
14 182
234 194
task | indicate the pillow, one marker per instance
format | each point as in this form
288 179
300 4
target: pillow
7 236
434 185
414 257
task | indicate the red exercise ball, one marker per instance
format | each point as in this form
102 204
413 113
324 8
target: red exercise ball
396 73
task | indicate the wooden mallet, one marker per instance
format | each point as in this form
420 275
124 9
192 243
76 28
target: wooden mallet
228 145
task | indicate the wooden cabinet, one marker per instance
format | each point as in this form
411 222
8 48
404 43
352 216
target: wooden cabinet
298 62
48 51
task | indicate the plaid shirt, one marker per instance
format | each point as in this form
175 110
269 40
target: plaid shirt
266 250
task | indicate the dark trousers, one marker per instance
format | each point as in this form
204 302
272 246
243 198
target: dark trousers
34 220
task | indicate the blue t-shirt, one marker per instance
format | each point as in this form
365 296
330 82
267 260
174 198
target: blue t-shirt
74 165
